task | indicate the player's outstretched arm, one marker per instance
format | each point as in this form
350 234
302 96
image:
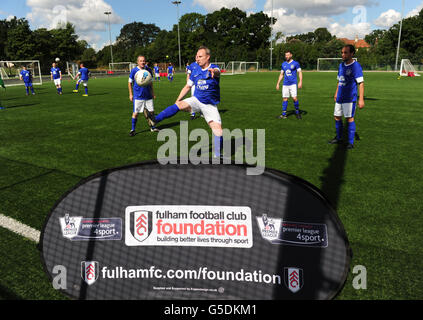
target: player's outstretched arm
131 95
215 73
300 84
361 94
336 92
184 92
279 81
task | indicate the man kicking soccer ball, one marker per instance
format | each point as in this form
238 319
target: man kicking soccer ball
350 76
84 77
206 79
289 71
142 97
56 76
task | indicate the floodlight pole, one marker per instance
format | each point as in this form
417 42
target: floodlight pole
271 41
177 3
399 36
108 13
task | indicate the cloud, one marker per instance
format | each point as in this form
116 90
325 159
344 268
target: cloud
86 15
290 24
415 11
388 18
214 5
316 7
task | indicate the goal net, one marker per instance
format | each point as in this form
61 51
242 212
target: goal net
221 65
407 68
122 67
10 72
236 67
72 69
329 64
251 66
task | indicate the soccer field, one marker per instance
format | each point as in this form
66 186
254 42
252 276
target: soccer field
50 142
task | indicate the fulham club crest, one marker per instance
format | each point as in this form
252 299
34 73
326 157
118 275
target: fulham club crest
141 224
89 271
294 279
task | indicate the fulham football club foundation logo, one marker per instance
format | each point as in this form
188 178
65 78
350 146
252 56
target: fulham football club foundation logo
141 224
294 279
89 271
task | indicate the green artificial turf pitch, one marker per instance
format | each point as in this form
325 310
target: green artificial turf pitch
50 142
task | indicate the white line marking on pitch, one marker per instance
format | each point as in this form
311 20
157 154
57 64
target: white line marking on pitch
19 228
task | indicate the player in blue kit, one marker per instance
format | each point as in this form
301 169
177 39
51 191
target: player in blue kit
26 76
84 75
289 70
141 97
170 72
206 79
156 72
350 80
56 76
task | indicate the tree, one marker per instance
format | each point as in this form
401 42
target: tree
138 34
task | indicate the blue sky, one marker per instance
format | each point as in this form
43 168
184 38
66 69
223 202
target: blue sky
344 18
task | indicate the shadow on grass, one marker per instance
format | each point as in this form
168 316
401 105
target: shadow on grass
6 294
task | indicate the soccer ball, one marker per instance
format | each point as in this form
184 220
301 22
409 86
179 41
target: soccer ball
57 59
143 78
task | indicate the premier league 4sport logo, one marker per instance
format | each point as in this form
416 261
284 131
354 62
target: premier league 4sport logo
141 224
89 271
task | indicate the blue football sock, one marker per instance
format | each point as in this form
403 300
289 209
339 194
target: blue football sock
27 90
134 123
284 107
167 113
339 128
297 107
77 86
218 143
86 90
351 132
32 89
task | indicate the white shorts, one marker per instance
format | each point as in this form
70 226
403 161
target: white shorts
139 105
57 82
289 91
192 91
209 111
84 82
345 109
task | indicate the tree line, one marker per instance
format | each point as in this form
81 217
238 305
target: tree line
231 34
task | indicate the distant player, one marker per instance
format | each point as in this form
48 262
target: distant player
26 76
56 76
156 72
350 78
84 76
290 69
141 97
170 72
4 87
206 79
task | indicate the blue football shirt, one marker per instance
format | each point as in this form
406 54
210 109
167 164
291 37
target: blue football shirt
26 76
348 77
56 73
290 72
207 89
140 93
84 73
170 69
156 70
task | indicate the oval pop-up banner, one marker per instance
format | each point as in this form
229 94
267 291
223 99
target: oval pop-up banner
149 231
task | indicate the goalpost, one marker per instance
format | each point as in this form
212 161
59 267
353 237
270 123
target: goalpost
235 67
252 66
407 69
329 64
72 69
10 72
124 67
